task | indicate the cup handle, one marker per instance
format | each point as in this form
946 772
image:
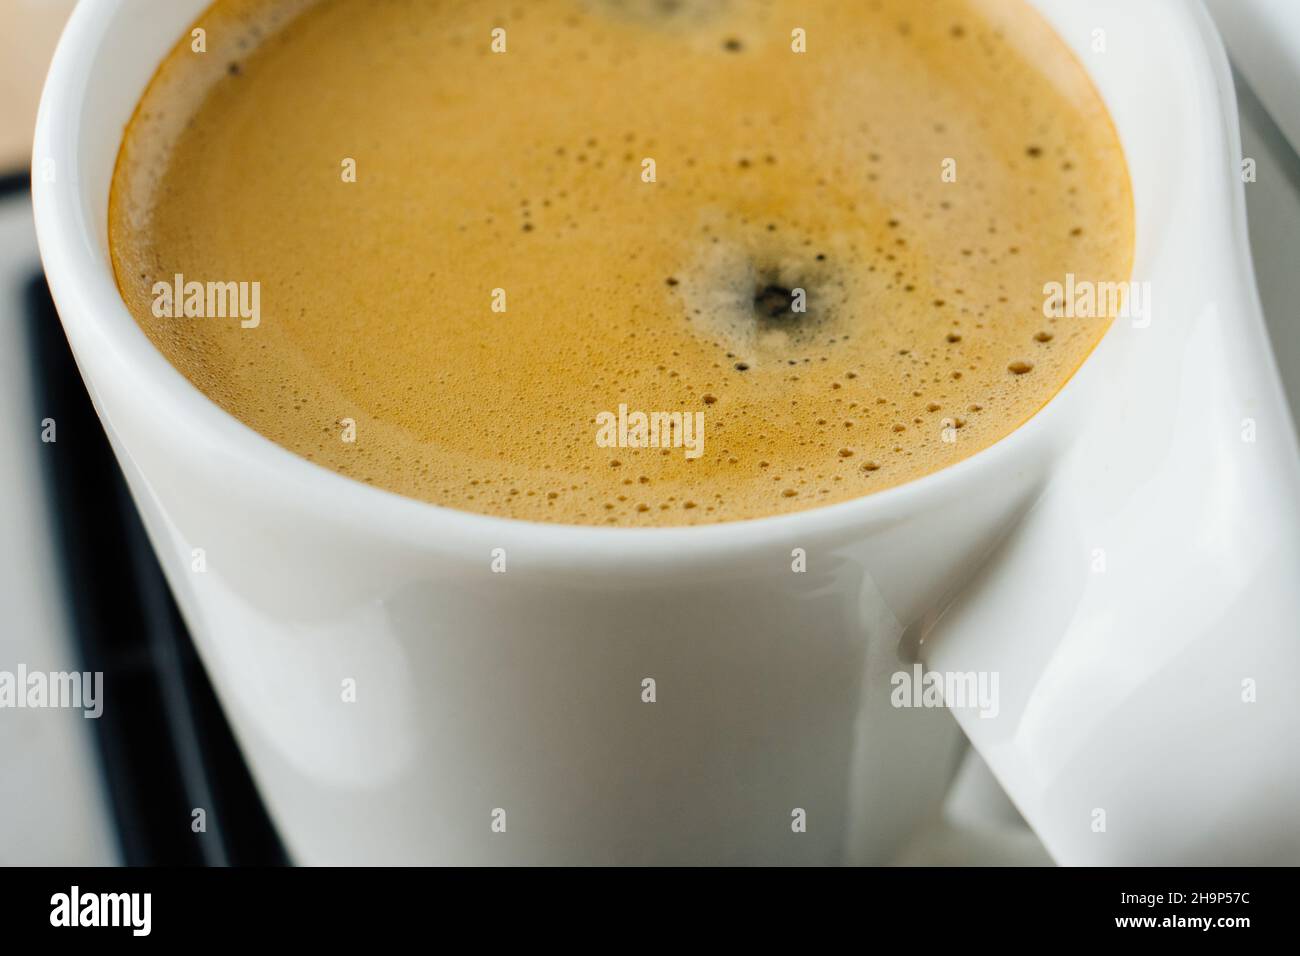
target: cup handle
1144 619
1144 627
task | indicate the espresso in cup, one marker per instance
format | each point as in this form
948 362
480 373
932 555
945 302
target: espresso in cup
641 263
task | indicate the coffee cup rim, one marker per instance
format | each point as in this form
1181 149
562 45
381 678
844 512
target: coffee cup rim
113 351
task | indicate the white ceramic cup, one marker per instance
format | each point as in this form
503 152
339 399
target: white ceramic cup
483 697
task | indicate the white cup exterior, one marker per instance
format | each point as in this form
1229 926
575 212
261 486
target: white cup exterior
482 696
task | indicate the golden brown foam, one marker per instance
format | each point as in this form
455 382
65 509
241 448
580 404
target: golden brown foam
523 171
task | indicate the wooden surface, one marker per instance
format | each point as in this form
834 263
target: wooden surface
28 31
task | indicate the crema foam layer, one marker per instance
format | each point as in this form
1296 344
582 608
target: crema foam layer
491 252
